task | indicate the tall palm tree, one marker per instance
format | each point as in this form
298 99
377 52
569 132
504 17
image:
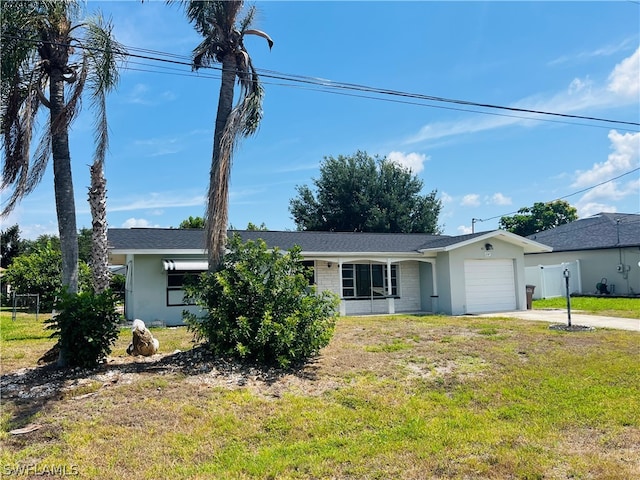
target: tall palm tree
43 47
105 53
223 31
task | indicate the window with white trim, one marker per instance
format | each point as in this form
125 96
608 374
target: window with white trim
368 280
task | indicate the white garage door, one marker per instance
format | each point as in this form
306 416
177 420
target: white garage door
489 286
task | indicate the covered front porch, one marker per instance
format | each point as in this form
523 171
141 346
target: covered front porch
373 285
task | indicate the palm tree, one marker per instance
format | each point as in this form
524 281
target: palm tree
42 47
105 53
218 22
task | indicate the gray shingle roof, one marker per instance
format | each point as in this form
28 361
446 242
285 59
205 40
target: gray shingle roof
604 230
155 239
193 239
165 239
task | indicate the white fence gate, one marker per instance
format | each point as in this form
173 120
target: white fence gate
549 279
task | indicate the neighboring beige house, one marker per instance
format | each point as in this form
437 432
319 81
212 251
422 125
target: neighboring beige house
373 273
602 253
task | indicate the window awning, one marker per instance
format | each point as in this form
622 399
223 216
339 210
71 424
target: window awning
182 264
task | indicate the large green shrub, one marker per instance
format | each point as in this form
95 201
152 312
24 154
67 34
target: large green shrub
260 307
86 327
38 272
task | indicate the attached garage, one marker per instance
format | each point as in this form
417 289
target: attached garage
489 285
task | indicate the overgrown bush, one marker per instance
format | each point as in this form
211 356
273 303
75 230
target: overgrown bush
38 272
86 327
260 307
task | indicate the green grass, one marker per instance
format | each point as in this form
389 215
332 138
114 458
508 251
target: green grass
403 397
614 307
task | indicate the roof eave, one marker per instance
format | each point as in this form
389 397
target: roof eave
156 251
529 246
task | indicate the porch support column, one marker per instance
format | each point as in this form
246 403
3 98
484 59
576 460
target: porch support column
343 305
391 302
435 304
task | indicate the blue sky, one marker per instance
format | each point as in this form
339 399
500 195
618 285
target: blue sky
578 58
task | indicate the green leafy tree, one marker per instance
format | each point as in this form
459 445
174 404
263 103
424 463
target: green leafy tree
261 228
223 33
192 222
359 193
540 217
260 307
84 244
38 272
10 245
45 46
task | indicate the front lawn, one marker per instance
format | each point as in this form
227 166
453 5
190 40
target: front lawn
408 397
607 306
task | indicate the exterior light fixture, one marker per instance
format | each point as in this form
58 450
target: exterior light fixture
488 246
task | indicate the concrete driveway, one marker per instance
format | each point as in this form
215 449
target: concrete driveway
577 318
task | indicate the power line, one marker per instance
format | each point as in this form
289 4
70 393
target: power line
328 86
363 88
563 197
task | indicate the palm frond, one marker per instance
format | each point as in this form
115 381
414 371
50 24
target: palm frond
247 19
206 53
104 53
260 33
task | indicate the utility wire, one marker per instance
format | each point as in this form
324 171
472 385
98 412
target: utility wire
157 56
565 196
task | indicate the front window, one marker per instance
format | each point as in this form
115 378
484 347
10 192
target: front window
175 285
368 280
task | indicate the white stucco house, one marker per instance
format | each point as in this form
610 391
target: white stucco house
602 253
373 273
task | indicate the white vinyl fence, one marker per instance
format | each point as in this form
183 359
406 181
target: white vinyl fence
549 280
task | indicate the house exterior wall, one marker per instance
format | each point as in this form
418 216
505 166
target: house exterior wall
147 296
598 264
476 251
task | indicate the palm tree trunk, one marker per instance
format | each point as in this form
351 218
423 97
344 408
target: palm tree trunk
63 185
218 199
99 250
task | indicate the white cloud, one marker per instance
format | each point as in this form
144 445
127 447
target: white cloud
581 95
464 230
605 51
499 199
412 161
158 201
625 78
138 95
470 200
578 85
156 147
139 223
302 167
625 157
446 198
589 209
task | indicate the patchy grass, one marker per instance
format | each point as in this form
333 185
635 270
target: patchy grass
22 340
391 397
612 307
